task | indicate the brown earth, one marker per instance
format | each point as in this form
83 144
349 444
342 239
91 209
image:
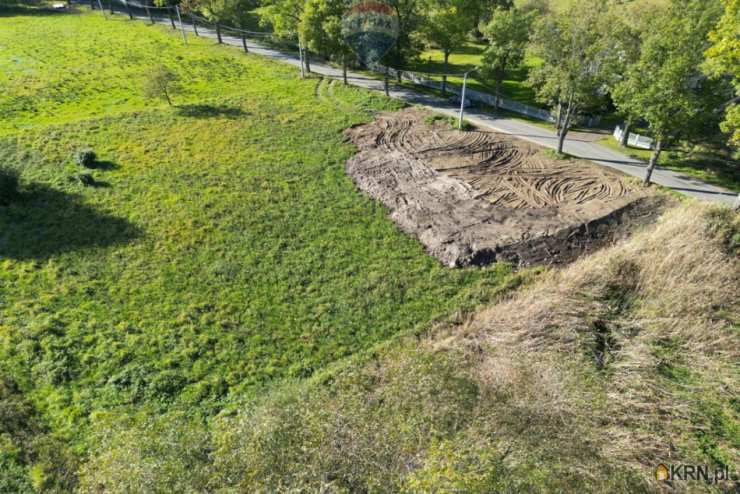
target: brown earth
477 197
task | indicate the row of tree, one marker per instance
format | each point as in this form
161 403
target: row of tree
670 65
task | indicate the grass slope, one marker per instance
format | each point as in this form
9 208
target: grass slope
216 247
584 382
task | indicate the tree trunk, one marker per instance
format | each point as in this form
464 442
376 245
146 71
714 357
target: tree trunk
736 206
92 4
128 11
195 27
307 58
498 93
625 133
172 20
559 119
653 161
561 140
149 13
218 34
244 44
385 82
444 76
344 69
300 57
564 128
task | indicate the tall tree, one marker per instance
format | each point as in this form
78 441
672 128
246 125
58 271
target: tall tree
623 25
723 60
571 76
408 43
285 18
447 26
664 85
321 26
507 33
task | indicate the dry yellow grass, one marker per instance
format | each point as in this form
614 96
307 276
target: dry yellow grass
624 346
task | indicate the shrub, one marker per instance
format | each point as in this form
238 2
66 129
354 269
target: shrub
85 157
161 83
83 178
8 185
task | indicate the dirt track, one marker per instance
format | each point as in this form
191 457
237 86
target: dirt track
477 197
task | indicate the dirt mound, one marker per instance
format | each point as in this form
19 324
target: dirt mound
477 197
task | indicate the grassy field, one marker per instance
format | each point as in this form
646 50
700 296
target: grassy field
709 166
514 85
215 247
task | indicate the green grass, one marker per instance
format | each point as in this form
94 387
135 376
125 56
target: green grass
514 85
708 166
220 246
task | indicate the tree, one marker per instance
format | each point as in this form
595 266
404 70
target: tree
663 86
623 26
285 17
321 25
447 25
161 83
408 43
571 76
723 60
507 33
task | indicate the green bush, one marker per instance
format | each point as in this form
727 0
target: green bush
82 178
8 185
85 157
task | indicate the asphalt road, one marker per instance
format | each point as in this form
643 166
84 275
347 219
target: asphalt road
521 129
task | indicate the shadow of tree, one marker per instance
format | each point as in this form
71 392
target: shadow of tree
104 165
44 222
209 111
12 9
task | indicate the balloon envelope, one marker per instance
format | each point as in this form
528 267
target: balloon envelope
370 28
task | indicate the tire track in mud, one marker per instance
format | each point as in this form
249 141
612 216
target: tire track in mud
489 162
474 197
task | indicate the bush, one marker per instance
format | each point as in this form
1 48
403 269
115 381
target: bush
85 157
8 185
82 178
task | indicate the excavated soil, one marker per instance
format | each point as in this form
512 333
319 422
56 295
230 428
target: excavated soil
477 197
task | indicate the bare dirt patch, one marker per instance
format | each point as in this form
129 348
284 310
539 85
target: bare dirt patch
477 197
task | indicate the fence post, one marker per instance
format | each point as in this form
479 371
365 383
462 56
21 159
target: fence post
149 13
128 11
182 26
244 43
110 7
218 33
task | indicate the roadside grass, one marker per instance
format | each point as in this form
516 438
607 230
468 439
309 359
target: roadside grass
514 85
217 246
704 164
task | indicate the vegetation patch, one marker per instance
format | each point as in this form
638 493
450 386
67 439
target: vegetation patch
221 249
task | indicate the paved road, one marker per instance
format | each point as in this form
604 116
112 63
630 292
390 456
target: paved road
579 148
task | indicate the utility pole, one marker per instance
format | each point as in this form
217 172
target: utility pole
462 96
